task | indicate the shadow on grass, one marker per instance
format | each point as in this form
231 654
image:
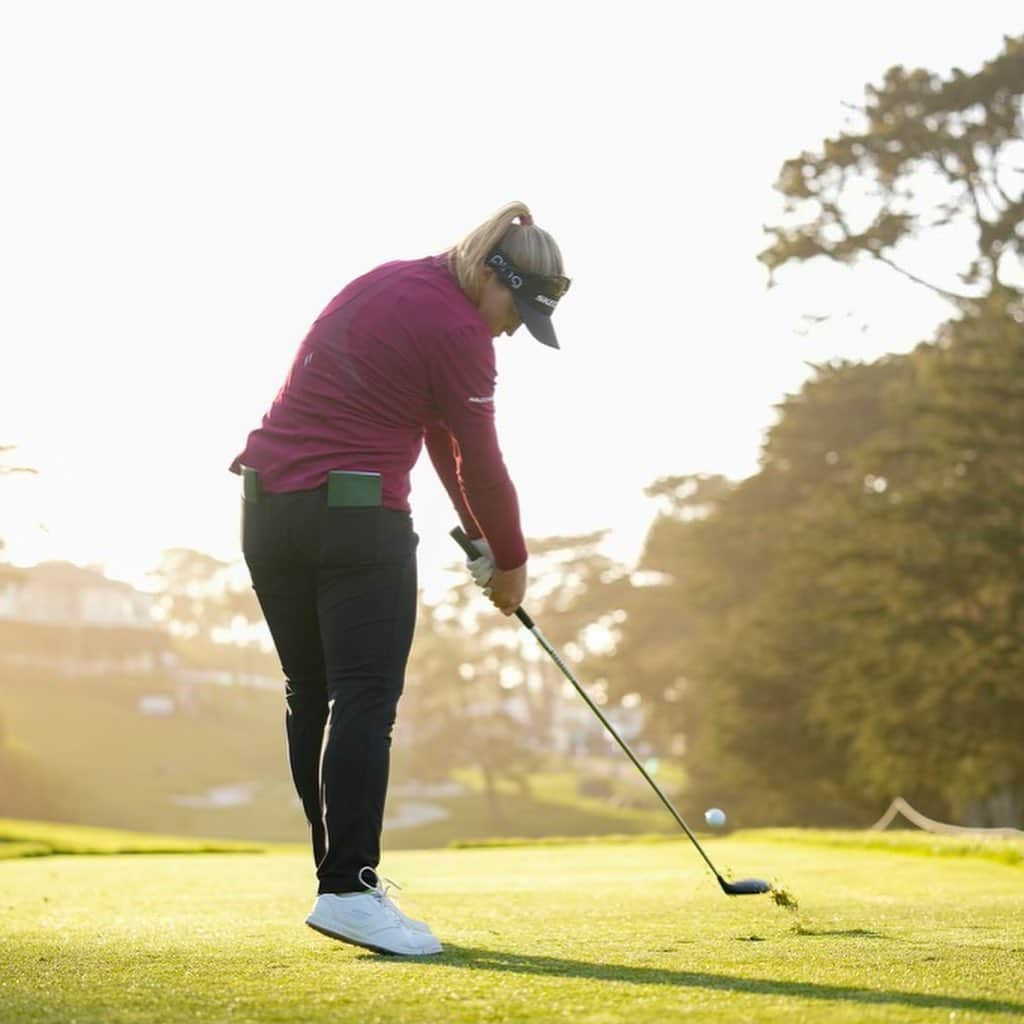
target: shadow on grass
493 960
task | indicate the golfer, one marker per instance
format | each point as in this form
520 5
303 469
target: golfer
402 356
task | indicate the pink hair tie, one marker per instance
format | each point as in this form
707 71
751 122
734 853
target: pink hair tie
525 219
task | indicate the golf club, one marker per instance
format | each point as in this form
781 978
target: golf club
745 886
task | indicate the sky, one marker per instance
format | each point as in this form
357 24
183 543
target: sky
186 185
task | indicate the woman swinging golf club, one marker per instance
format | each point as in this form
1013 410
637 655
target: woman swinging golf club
403 355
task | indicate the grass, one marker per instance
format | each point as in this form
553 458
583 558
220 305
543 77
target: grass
590 932
1004 851
20 838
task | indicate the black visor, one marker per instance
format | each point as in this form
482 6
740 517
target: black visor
535 295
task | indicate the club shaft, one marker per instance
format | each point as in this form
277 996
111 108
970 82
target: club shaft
566 671
467 545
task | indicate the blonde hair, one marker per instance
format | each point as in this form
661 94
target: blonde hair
529 247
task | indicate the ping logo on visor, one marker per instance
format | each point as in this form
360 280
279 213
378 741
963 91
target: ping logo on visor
535 295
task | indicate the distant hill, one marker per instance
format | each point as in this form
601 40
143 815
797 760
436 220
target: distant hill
153 754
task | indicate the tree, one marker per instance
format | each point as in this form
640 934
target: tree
480 692
901 560
935 562
654 621
745 630
917 130
454 709
197 596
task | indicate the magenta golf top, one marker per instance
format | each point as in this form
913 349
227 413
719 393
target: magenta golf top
399 356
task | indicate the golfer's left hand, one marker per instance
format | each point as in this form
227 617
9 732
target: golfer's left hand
482 567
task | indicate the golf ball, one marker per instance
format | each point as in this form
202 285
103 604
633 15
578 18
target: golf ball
715 817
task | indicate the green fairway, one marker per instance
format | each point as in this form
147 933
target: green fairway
44 838
596 932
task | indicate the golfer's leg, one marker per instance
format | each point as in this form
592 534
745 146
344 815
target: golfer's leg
286 586
367 618
288 601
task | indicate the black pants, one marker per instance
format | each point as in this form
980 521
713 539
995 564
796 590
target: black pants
338 589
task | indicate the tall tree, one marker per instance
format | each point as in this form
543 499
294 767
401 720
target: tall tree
929 540
917 130
848 617
935 561
751 630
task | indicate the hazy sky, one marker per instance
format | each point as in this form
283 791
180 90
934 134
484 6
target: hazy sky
186 185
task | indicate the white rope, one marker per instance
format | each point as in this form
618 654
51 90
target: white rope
900 806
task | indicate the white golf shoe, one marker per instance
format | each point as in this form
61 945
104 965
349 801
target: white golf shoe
371 919
366 876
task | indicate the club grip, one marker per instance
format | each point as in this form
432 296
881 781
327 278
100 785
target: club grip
460 538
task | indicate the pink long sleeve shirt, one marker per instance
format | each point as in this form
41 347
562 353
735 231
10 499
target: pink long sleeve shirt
398 357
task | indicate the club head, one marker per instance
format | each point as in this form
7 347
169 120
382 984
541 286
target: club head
744 887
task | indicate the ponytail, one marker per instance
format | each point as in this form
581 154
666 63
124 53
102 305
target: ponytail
531 248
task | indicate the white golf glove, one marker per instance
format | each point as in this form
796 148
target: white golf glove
482 567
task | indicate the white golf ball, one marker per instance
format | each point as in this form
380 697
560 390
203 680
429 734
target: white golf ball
715 817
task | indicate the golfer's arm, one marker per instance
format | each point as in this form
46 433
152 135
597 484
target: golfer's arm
441 449
489 491
463 377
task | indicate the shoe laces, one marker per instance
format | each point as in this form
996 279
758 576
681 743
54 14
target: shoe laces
380 891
